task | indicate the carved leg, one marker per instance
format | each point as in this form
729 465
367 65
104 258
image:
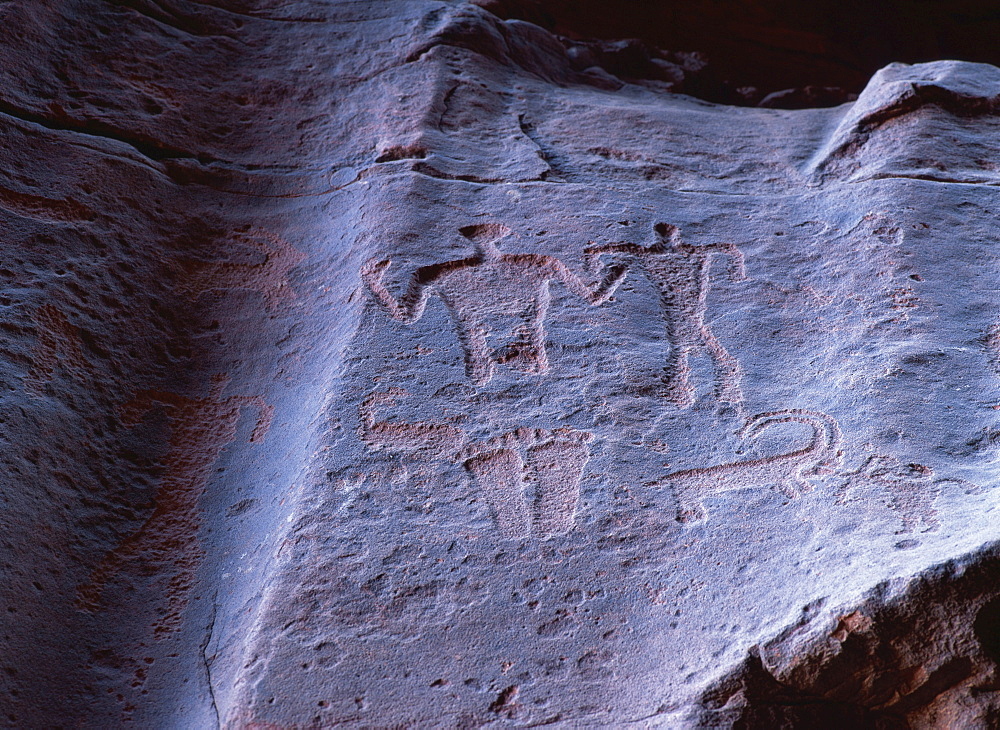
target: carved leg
144 552
527 353
186 559
787 486
500 478
539 358
478 359
164 547
924 511
694 514
900 501
931 520
801 485
677 377
840 494
927 512
728 372
909 523
557 467
88 595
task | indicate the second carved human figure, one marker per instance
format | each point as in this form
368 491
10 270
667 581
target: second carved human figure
680 272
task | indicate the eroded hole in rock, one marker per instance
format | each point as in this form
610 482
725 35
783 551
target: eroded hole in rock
770 53
987 629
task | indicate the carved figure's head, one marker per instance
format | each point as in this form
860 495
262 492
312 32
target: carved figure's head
484 237
669 236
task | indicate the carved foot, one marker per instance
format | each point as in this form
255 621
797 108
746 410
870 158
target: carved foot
479 373
679 394
729 393
692 514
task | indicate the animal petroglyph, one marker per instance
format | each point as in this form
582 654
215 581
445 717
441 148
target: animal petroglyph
485 288
269 276
168 540
58 344
504 468
681 271
909 490
787 472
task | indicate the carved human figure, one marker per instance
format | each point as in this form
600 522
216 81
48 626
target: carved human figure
58 343
485 288
787 472
681 273
909 490
168 540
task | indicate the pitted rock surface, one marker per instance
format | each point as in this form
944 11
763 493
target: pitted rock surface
382 365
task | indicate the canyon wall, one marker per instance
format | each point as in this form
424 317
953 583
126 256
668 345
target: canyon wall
396 365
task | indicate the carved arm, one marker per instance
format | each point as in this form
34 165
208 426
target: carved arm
407 309
596 294
737 270
145 401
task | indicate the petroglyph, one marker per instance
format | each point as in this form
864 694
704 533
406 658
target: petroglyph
167 544
556 467
992 342
548 463
270 276
787 472
878 230
500 477
485 288
435 439
48 210
681 273
909 490
552 465
58 345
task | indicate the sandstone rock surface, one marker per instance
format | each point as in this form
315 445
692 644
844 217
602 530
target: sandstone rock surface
383 365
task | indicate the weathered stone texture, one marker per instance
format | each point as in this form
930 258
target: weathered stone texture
385 365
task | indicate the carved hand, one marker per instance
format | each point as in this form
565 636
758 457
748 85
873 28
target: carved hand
373 271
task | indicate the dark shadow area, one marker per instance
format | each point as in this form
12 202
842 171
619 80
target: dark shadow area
987 629
766 703
926 657
773 53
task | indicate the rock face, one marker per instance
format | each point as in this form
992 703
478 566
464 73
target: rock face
383 365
